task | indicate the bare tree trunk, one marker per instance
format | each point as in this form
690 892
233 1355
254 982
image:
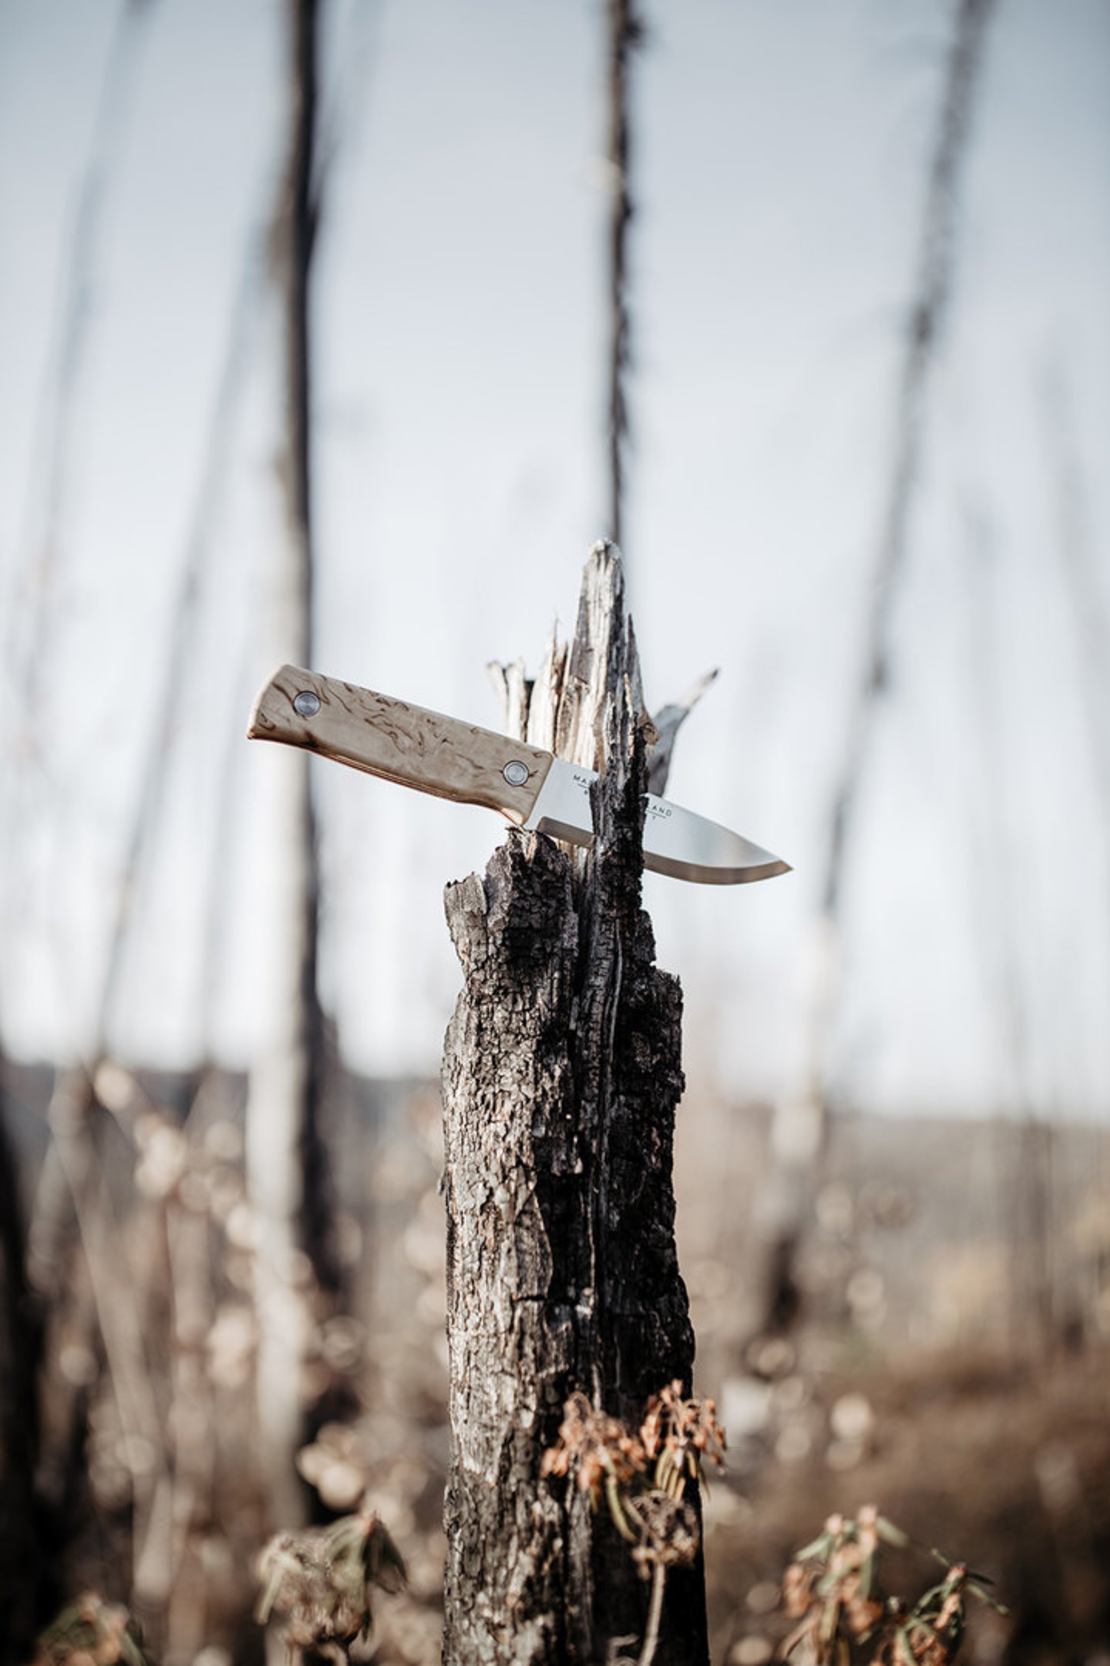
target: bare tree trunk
561 1076
281 1139
625 34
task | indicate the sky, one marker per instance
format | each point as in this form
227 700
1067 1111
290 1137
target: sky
779 166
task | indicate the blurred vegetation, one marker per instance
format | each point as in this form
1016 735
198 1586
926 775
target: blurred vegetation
911 1376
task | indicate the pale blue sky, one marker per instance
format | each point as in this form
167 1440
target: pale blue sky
781 151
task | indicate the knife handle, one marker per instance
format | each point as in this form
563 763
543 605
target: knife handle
399 742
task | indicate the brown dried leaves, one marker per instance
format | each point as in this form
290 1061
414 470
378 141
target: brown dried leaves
319 1580
91 1633
832 1589
642 1476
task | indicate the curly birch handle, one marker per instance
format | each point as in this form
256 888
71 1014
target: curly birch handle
399 742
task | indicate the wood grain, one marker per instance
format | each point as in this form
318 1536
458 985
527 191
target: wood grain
400 742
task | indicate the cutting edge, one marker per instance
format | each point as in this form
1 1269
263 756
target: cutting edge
677 842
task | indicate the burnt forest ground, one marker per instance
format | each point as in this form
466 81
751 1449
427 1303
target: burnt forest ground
944 1365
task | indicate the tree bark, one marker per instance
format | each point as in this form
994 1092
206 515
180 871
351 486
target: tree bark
562 1071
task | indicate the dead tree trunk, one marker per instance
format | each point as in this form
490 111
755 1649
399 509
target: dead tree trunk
561 1076
282 1144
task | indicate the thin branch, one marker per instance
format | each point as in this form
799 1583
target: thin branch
625 34
55 428
655 1610
924 328
801 1121
199 545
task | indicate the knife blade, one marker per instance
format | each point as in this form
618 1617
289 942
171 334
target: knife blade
449 759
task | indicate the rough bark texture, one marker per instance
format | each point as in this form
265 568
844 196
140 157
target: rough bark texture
561 1076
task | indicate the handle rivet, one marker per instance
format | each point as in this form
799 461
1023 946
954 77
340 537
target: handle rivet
516 773
306 703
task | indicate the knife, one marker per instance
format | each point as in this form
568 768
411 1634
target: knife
449 759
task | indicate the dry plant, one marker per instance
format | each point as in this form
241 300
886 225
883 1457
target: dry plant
832 1589
92 1632
642 1479
150 1364
320 1579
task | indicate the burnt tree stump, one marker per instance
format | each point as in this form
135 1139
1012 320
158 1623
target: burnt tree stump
562 1071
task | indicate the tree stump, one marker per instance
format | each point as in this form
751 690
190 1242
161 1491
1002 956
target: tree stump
561 1075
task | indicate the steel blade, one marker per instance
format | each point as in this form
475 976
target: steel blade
676 841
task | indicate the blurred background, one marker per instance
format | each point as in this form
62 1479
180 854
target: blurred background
346 344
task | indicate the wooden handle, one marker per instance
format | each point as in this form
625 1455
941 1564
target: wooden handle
399 742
